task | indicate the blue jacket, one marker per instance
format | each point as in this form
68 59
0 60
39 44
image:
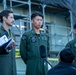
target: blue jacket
62 69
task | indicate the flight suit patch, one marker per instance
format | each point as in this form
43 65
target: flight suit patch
23 37
44 38
33 39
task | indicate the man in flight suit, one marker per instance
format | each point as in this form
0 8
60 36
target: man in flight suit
7 58
72 44
30 44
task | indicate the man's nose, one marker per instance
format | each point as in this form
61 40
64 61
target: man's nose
13 19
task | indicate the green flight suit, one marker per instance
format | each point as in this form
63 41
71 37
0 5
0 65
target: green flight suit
7 61
72 45
29 50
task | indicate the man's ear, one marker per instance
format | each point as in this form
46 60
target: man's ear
32 21
72 61
59 59
4 18
74 30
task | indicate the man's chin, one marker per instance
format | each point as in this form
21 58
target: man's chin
10 24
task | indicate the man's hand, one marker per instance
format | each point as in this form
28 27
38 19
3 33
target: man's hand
11 46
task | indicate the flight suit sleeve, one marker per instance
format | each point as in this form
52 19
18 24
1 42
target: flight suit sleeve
23 48
48 47
48 50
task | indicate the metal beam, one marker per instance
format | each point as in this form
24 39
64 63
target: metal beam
43 10
30 13
4 4
71 18
23 2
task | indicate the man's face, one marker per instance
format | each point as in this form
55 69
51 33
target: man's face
37 22
75 31
10 19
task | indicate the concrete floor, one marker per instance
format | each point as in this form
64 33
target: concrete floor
21 67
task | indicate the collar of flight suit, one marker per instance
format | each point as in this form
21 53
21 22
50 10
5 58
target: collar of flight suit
4 29
33 32
9 33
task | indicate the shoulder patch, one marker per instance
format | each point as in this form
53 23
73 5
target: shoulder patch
23 37
68 46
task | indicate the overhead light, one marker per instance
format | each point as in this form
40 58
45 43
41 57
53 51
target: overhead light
18 26
41 29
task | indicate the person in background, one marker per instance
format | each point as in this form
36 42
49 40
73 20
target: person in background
65 65
30 44
7 58
72 44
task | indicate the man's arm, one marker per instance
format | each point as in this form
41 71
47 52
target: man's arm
23 48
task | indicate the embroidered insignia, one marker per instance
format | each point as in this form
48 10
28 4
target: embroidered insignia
43 38
33 39
23 37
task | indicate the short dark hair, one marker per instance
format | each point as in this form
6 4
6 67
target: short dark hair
5 13
74 26
66 55
36 13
